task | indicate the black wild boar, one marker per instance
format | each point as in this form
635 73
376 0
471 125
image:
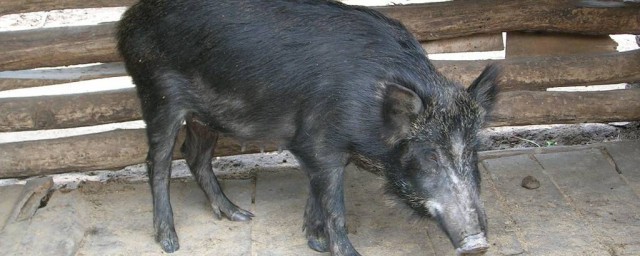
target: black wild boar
330 82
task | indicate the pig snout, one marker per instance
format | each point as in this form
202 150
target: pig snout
473 245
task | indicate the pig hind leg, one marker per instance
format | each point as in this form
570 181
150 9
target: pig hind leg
198 151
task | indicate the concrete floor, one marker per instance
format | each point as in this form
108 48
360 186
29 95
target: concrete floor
588 203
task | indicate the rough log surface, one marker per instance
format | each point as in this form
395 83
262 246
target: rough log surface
535 73
20 6
540 73
432 21
531 73
120 148
529 107
456 18
88 44
10 80
100 151
53 47
65 111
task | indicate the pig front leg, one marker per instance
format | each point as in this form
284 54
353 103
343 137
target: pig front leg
324 220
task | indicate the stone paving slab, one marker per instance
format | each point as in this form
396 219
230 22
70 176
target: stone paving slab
587 204
10 195
544 221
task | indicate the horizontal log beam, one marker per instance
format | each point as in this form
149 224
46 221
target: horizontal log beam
532 73
433 21
65 111
531 108
10 80
87 44
61 46
540 73
458 18
119 148
100 151
472 43
535 73
21 6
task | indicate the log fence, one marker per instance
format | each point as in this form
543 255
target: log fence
455 26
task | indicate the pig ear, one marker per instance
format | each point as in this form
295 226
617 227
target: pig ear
484 88
401 106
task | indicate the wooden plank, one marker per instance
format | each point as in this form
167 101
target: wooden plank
605 203
523 44
64 111
544 220
528 108
533 73
10 80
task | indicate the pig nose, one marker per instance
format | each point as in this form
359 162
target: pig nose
473 245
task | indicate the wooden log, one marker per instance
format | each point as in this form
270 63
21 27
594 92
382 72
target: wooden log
120 148
540 73
52 47
20 6
100 151
64 111
523 44
528 107
10 80
535 73
472 43
87 44
458 18
431 21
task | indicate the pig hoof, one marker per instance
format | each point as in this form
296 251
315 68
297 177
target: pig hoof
240 215
318 244
168 241
232 212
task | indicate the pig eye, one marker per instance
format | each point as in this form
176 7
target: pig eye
433 157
